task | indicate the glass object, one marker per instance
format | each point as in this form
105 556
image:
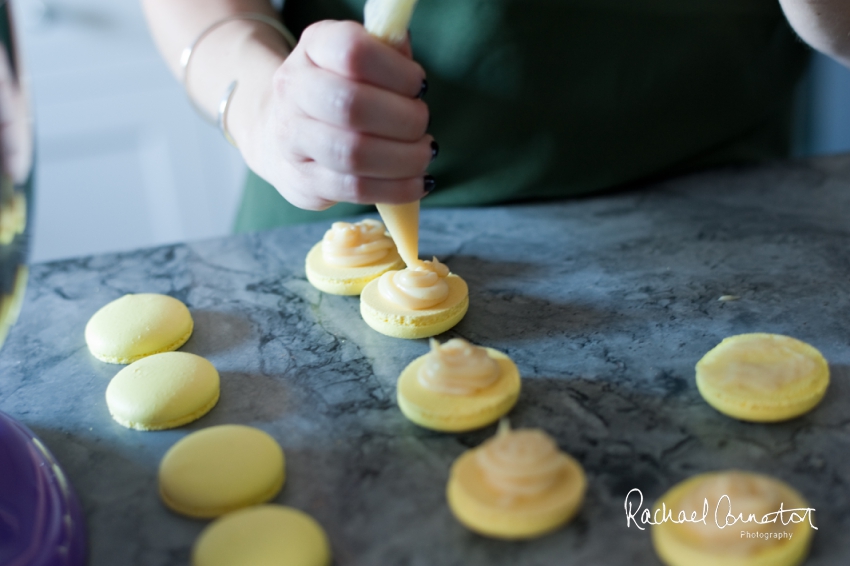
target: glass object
16 173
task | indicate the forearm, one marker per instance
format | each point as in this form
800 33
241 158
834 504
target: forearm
823 24
245 51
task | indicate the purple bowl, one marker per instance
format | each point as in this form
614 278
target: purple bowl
41 523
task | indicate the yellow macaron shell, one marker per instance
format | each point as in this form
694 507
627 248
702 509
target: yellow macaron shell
163 391
457 413
394 320
220 469
265 535
706 544
483 508
762 377
346 280
138 325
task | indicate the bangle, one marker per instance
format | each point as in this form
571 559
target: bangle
222 113
186 57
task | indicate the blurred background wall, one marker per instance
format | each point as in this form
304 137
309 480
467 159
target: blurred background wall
123 162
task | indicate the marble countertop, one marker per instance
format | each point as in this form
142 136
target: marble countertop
604 303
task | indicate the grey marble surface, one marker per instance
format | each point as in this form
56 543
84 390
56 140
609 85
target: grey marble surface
605 304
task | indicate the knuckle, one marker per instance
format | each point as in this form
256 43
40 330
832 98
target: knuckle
281 79
312 31
354 55
344 104
353 188
348 151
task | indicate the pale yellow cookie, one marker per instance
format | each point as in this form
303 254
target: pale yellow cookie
163 391
416 302
135 326
220 469
762 377
765 539
350 256
517 485
458 387
265 535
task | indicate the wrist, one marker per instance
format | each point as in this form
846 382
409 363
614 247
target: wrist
251 104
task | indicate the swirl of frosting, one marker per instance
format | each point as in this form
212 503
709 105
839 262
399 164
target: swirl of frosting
748 495
520 463
419 287
355 245
457 368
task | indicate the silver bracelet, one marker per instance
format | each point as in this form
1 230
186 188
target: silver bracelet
186 57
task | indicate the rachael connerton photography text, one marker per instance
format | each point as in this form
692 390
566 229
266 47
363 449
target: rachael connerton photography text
723 515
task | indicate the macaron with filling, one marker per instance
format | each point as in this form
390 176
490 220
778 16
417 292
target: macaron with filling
768 539
762 377
458 387
350 256
517 485
402 313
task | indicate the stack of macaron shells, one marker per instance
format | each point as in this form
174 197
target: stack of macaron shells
226 471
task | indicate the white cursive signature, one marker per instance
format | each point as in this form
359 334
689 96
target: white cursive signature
647 517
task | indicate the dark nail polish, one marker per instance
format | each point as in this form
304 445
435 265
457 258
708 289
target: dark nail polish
430 183
423 89
435 149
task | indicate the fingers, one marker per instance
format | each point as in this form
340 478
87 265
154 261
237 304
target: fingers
344 151
317 188
346 49
345 122
329 98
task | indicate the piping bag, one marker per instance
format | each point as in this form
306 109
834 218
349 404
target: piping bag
388 21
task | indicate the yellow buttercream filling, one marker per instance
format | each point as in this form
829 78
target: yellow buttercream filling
520 463
416 288
457 368
356 245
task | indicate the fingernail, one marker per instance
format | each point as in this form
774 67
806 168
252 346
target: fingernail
435 149
423 89
430 183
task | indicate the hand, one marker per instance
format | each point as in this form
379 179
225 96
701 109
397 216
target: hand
343 122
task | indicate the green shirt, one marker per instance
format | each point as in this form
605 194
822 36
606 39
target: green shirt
542 99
